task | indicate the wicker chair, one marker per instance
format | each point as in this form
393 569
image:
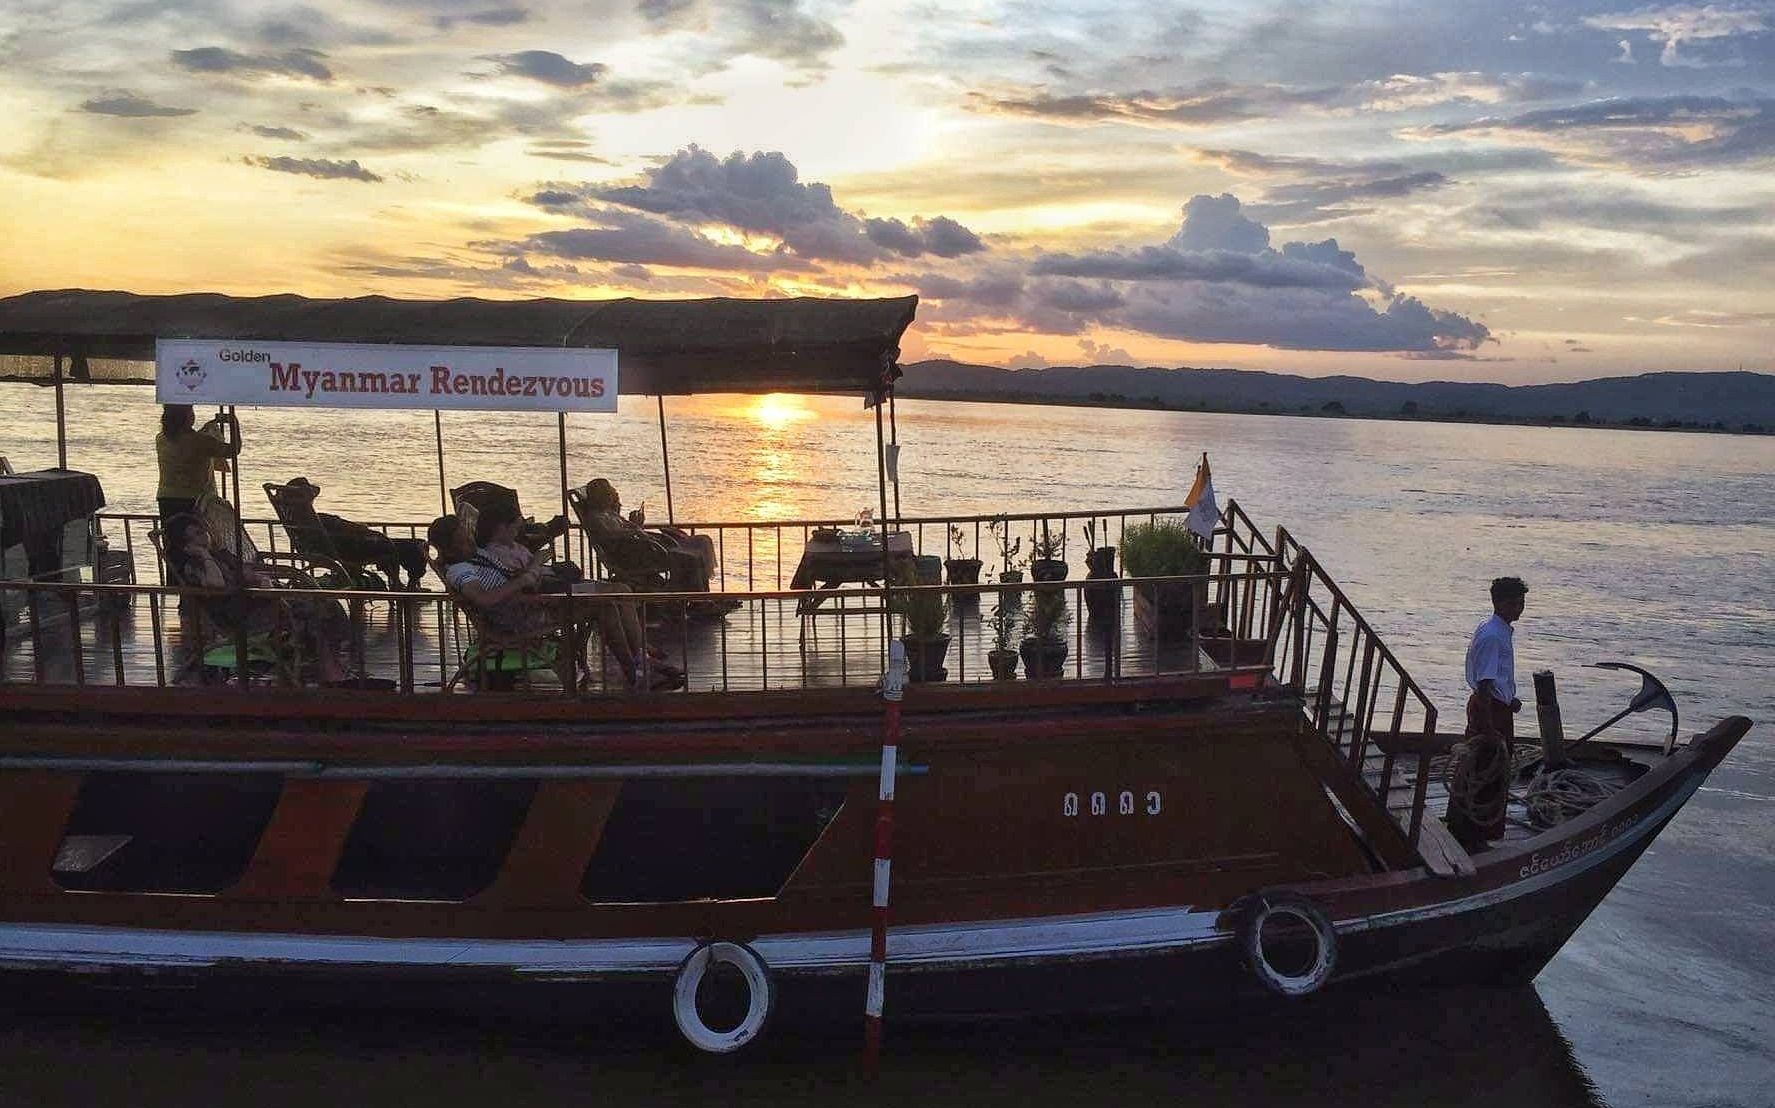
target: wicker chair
472 498
222 652
489 656
294 505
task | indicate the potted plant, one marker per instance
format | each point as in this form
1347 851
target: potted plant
1005 621
1165 548
1047 557
1044 648
1010 563
963 570
924 613
1100 563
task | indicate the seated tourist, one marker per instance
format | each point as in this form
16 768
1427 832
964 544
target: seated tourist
361 545
193 562
503 580
692 557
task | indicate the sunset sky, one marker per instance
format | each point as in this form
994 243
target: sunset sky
1438 189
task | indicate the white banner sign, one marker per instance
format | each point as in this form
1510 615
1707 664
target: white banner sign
360 375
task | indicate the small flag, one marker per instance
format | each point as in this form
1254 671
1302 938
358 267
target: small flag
1204 513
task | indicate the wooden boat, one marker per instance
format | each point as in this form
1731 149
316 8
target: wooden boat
1249 814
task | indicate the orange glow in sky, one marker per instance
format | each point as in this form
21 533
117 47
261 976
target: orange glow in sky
1239 183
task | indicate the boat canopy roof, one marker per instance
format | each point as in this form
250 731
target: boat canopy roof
667 347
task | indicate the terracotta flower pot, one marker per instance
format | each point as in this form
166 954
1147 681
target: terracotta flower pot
1003 663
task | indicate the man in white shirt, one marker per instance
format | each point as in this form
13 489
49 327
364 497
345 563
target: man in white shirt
1483 774
1491 663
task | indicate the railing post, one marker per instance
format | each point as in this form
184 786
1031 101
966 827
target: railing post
1359 736
1327 674
1423 781
1300 631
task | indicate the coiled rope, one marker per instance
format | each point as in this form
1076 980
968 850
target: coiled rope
1552 797
1478 779
1478 772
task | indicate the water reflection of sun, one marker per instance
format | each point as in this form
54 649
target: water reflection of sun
778 410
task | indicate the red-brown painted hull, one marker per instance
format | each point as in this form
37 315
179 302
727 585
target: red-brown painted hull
1149 931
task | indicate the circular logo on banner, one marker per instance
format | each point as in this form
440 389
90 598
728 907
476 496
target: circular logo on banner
191 374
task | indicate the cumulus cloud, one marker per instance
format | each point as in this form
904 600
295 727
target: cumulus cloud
548 67
1217 243
303 63
1105 354
630 237
1216 280
762 193
130 106
941 236
1678 25
324 168
1214 223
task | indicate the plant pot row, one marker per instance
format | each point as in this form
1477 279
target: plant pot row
925 658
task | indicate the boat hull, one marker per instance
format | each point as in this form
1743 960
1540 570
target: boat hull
1498 925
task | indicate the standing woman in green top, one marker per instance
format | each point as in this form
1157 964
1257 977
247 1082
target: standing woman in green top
186 456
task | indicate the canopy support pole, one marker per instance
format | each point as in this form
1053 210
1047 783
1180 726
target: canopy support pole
887 561
894 437
561 425
61 419
437 424
665 458
240 519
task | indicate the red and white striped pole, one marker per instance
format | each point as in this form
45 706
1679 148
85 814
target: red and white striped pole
893 687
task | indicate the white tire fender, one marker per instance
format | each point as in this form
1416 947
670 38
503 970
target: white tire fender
760 998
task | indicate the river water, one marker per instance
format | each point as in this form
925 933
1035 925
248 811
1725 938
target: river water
1653 548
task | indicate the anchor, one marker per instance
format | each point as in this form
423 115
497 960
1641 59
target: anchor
1652 694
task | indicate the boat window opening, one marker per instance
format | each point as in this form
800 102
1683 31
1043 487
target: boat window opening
431 840
679 839
164 832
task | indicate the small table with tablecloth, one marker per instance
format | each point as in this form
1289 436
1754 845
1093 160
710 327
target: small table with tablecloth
848 557
45 526
48 513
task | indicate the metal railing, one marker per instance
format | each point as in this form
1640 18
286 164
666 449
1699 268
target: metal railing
751 555
1356 694
158 635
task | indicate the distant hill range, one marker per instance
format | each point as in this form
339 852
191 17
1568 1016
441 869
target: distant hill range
1721 401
